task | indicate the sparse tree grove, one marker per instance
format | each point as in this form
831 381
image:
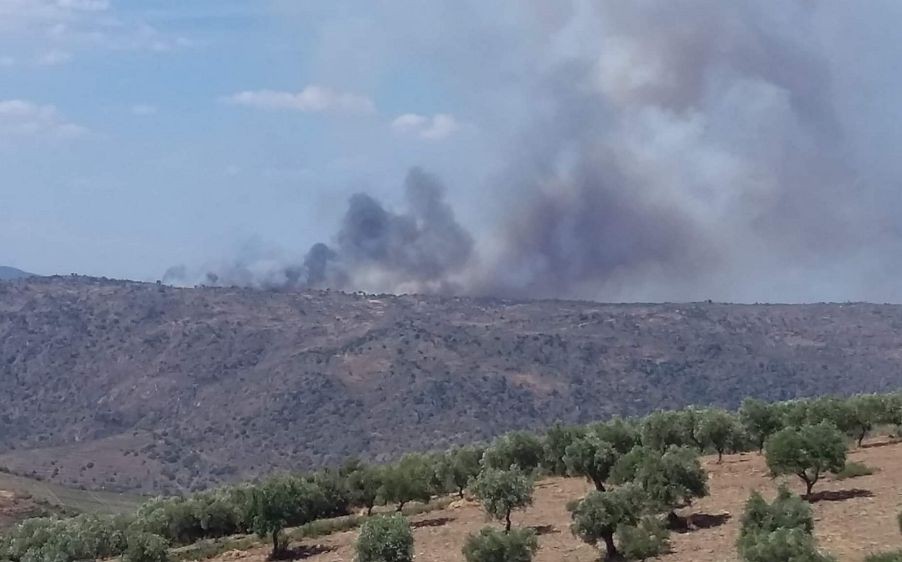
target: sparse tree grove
642 470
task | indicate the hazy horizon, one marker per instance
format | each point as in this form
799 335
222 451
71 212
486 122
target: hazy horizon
641 152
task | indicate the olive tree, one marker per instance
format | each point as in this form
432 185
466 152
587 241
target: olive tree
760 420
808 452
597 517
279 502
458 466
670 480
364 483
518 448
622 434
502 491
407 480
555 444
661 429
385 539
719 430
591 458
492 545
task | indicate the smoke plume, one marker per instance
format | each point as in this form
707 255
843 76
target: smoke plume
674 150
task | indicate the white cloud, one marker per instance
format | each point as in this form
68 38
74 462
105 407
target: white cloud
310 99
143 109
53 58
20 118
437 127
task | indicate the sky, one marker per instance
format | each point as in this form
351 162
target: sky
651 150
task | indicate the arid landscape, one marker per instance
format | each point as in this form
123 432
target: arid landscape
853 518
117 385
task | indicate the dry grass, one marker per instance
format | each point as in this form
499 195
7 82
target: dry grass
852 519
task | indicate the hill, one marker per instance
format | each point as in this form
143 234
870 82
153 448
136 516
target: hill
11 273
133 386
852 518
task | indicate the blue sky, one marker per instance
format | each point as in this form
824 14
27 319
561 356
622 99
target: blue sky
648 150
133 149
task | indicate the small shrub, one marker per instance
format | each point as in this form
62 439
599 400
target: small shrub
647 539
146 547
783 545
493 545
854 470
385 539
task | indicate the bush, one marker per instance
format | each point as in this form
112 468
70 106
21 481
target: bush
786 512
502 491
808 452
783 545
492 545
854 470
647 539
385 539
146 547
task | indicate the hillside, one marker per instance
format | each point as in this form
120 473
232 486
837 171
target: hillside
852 518
132 386
11 273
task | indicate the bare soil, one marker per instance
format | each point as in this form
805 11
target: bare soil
853 517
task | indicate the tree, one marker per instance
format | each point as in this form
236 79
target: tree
661 429
718 429
492 545
591 458
598 515
669 480
502 491
622 434
865 410
458 467
556 441
808 452
407 480
518 448
364 484
278 502
760 420
385 539
835 411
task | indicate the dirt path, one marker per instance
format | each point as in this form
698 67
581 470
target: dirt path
857 516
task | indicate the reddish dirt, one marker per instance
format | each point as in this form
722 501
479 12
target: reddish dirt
849 528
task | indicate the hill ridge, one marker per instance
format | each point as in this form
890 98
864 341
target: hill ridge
141 386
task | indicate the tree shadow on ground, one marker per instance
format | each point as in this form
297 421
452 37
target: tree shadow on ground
545 529
434 522
303 551
695 522
838 495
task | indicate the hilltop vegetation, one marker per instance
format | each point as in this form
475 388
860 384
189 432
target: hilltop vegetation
131 386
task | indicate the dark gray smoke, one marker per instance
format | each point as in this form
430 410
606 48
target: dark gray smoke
421 249
678 149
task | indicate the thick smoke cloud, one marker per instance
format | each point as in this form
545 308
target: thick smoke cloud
673 150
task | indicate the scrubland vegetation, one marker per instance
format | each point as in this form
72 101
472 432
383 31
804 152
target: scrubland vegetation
641 471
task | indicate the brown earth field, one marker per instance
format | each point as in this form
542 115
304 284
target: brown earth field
853 517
